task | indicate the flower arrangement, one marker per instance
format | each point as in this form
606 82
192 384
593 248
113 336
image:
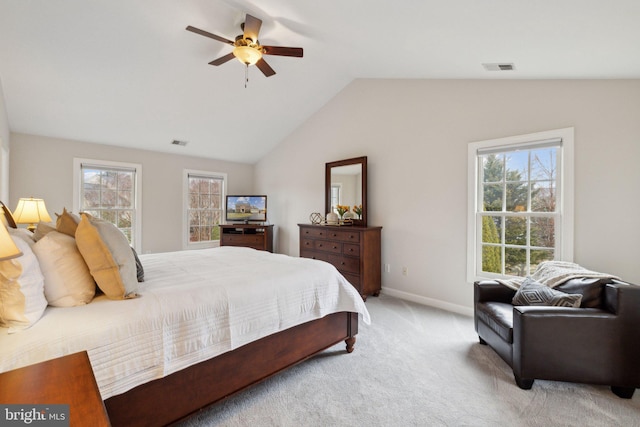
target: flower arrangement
342 209
357 210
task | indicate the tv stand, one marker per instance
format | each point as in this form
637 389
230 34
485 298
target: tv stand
248 235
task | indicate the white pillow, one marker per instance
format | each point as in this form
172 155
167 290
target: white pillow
22 233
67 281
22 300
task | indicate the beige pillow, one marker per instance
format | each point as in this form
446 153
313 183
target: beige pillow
67 281
108 255
22 299
67 222
42 229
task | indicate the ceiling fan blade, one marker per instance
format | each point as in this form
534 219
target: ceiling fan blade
265 68
208 34
282 51
252 27
222 59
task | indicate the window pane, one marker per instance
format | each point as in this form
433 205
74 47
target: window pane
491 229
515 261
515 231
108 215
493 168
543 196
125 219
491 259
518 166
543 232
538 256
543 164
517 195
492 197
194 234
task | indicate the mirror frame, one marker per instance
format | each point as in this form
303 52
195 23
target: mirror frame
327 185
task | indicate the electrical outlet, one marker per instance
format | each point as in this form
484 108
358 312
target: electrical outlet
405 271
387 268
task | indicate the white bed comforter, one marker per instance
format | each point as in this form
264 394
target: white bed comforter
194 305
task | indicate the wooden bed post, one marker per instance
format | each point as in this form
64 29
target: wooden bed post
352 330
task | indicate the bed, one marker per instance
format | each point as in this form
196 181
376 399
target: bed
206 324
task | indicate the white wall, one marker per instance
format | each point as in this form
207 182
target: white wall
43 167
4 149
415 134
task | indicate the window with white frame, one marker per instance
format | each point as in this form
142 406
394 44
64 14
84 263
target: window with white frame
110 191
520 203
204 207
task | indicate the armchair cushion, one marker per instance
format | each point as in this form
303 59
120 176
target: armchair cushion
534 293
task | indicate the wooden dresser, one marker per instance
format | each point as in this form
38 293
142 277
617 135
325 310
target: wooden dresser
247 235
354 251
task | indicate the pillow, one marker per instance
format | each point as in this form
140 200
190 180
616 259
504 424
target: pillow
42 229
22 299
23 234
139 268
67 222
67 281
108 255
534 293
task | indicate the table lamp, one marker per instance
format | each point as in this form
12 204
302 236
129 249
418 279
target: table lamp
31 211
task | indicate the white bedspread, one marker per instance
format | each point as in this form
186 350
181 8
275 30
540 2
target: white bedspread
194 305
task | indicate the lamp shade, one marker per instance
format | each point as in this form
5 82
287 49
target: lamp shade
247 55
8 249
31 211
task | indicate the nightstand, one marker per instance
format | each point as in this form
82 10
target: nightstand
66 380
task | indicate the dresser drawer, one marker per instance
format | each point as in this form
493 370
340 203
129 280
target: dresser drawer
345 264
351 249
328 246
315 233
242 240
322 256
344 236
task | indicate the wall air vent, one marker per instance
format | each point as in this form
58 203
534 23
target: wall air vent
180 143
499 66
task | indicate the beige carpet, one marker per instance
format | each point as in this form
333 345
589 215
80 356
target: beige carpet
416 366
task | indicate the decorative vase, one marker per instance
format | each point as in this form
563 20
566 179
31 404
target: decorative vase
333 218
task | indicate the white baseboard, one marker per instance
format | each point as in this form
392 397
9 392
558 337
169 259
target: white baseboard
455 308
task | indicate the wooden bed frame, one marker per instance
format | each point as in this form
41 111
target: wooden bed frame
181 394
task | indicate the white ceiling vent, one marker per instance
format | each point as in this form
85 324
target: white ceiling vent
180 143
499 66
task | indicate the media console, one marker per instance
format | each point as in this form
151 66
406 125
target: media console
248 235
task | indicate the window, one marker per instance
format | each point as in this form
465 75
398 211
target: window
521 203
204 207
110 191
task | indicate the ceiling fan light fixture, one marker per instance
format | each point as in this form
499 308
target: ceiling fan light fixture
247 55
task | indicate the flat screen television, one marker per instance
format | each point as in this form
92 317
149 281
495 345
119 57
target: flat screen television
246 209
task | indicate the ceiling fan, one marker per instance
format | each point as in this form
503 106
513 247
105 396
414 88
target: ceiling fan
247 49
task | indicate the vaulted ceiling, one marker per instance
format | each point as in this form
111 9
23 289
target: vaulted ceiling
125 72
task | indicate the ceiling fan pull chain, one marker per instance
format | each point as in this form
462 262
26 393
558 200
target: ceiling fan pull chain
246 75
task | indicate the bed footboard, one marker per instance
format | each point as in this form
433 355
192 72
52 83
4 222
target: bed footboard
176 396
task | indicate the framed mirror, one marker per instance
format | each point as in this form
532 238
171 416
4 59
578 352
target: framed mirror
346 184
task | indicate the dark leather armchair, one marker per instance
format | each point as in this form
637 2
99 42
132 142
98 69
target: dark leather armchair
597 343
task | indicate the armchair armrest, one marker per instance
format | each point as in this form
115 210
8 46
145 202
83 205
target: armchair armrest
624 299
491 290
571 344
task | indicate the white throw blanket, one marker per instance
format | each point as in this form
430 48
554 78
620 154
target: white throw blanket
554 273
